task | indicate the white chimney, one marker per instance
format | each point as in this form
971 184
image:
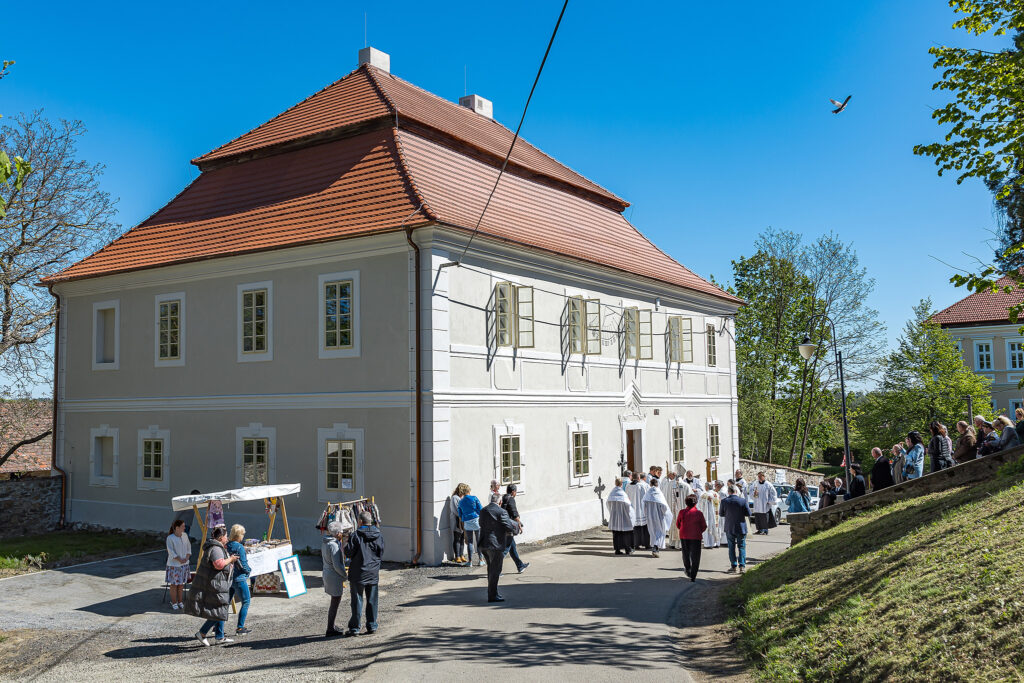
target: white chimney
374 57
478 104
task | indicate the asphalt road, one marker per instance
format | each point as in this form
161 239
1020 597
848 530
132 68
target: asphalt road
578 612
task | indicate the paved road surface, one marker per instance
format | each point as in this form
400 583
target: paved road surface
578 613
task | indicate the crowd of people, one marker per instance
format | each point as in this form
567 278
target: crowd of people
906 461
648 511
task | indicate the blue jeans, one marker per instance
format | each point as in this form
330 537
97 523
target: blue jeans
511 549
218 629
737 540
357 591
240 585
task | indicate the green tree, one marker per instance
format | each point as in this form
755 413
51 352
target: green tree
924 379
12 172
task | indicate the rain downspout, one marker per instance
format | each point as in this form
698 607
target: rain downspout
56 379
417 388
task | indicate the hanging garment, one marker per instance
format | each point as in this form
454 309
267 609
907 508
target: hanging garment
215 515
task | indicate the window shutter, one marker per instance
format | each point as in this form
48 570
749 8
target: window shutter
686 341
629 332
503 305
524 317
645 335
576 325
593 322
674 329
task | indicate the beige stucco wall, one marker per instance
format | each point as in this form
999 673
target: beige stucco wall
1005 391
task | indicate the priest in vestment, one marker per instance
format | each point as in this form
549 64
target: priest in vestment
636 489
762 494
708 504
659 517
620 519
676 490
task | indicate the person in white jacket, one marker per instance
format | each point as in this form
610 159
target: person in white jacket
620 519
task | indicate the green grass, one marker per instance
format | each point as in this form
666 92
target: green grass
60 548
827 471
925 589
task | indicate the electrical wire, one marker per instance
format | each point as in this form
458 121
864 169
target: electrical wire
516 136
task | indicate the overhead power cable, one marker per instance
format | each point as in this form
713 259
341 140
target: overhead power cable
514 138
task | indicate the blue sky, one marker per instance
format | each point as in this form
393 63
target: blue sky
712 119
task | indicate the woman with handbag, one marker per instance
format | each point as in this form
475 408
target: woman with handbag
208 597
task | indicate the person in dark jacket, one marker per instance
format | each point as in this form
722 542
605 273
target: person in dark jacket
1008 434
240 579
1019 416
364 549
881 471
967 444
734 513
333 572
988 438
692 525
858 486
508 504
208 597
940 448
825 495
495 527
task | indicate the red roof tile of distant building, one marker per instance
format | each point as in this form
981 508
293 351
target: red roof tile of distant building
981 308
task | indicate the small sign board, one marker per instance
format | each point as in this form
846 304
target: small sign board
291 572
780 476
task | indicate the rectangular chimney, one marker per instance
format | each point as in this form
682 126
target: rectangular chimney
478 104
374 57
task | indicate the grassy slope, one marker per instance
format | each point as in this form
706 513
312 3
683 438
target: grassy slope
925 589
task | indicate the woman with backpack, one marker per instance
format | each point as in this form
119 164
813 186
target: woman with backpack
208 597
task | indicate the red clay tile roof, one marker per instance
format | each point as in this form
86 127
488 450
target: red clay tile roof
369 93
370 183
981 307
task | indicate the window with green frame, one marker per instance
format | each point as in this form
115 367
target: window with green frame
511 462
580 454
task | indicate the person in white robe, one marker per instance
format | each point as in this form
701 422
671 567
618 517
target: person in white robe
621 519
693 482
677 491
636 489
762 494
741 484
708 504
659 518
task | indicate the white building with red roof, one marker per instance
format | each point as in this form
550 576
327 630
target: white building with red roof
992 346
262 327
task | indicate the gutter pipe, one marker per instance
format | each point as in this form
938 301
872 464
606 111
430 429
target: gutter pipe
53 440
417 387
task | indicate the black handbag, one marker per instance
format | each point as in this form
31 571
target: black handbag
771 519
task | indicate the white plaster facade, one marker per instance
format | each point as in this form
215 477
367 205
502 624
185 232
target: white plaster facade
473 390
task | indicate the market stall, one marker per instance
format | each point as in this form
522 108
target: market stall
264 553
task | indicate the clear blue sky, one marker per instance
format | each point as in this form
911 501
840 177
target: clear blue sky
712 119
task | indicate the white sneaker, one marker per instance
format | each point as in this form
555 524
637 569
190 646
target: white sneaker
181 606
223 641
202 639
176 606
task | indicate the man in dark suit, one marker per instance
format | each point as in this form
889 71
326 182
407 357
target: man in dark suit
881 471
495 527
734 512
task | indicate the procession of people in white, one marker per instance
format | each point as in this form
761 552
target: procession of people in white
644 516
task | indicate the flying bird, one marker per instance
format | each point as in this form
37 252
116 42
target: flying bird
840 105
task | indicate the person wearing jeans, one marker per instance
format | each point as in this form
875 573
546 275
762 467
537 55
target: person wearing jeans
364 550
209 595
734 513
508 504
240 580
469 512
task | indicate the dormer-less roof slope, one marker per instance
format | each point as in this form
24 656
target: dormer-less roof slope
981 308
341 169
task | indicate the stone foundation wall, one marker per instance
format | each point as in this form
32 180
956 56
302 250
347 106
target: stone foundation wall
29 506
752 467
803 524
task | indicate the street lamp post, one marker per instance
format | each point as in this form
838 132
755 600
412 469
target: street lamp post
807 349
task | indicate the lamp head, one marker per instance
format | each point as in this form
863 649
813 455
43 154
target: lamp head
807 348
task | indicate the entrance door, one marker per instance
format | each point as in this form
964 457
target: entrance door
634 448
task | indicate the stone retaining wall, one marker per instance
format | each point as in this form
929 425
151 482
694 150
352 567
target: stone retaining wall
803 524
752 467
29 506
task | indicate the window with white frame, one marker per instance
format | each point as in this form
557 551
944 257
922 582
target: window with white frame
511 469
680 339
579 451
103 456
170 329
339 315
714 445
1015 355
254 462
1015 403
638 336
153 463
106 335
513 312
983 355
255 322
580 454
340 465
255 455
678 444
712 350
584 322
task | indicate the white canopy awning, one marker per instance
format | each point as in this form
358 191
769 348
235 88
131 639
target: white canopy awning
234 495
